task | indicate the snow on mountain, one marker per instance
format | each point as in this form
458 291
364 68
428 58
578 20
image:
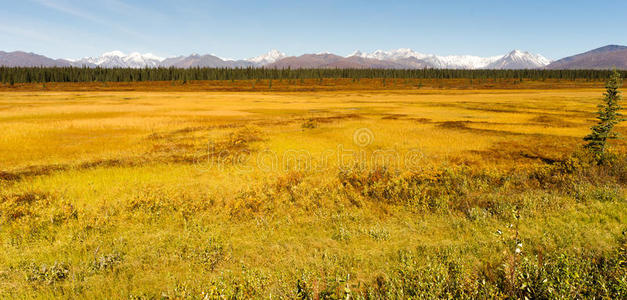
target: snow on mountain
519 60
267 58
391 54
356 53
460 61
399 58
513 60
117 59
434 61
203 61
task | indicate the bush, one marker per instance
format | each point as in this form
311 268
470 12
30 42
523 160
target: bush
309 124
19 205
105 262
48 274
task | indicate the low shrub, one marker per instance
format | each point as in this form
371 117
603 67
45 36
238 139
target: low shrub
48 274
19 205
105 262
309 124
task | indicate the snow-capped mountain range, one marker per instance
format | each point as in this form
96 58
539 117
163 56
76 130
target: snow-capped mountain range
267 58
117 59
607 57
400 58
514 60
393 59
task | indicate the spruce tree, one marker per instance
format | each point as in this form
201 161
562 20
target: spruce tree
608 116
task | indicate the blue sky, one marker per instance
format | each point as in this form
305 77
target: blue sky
241 29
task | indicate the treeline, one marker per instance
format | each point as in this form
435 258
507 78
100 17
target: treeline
72 74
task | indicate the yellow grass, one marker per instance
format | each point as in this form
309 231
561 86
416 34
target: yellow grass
133 174
67 128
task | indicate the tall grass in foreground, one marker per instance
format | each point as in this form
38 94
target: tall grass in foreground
161 241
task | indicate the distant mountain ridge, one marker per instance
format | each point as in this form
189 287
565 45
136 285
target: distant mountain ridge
393 59
24 59
408 58
519 60
117 59
267 58
196 60
430 60
404 58
332 61
607 57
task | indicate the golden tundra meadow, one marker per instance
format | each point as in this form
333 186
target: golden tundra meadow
319 194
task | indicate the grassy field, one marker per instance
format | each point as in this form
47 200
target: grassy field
313 193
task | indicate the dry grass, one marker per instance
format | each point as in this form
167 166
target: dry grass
112 194
65 128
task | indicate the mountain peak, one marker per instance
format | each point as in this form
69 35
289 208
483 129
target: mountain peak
275 52
114 53
267 58
518 59
518 52
355 53
401 53
118 59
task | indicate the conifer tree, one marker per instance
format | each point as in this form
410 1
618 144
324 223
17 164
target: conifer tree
608 116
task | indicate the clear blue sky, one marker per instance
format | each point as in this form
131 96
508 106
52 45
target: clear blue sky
241 29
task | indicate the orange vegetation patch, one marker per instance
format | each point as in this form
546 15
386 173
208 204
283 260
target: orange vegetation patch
294 85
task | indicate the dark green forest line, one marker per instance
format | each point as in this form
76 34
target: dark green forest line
11 75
